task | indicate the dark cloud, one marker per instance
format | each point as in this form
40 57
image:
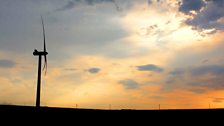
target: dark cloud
129 84
191 5
218 2
197 79
213 83
7 63
72 3
149 2
209 17
150 67
93 70
210 69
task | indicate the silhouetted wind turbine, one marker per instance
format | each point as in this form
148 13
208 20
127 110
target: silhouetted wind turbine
40 54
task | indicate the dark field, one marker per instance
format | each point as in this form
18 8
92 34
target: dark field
86 116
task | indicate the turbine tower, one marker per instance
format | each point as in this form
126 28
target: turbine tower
40 54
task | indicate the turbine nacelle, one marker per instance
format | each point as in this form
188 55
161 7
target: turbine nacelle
39 53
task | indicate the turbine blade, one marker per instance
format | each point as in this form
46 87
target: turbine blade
45 56
45 64
43 34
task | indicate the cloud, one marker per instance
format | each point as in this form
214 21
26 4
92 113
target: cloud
212 69
197 90
150 30
93 70
150 67
197 79
70 69
7 63
210 17
191 5
218 100
91 2
129 84
72 3
177 72
149 2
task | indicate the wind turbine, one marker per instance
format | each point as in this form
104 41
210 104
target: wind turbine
40 54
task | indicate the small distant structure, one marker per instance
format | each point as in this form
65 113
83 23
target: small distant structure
76 106
109 106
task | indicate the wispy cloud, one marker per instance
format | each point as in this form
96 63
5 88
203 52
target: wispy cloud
7 63
130 84
72 3
218 100
70 69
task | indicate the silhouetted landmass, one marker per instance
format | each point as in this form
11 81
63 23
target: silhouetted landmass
129 116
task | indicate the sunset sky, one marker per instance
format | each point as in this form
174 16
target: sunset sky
132 54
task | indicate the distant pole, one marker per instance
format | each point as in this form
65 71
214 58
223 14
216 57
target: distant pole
209 106
159 106
38 83
109 106
76 106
